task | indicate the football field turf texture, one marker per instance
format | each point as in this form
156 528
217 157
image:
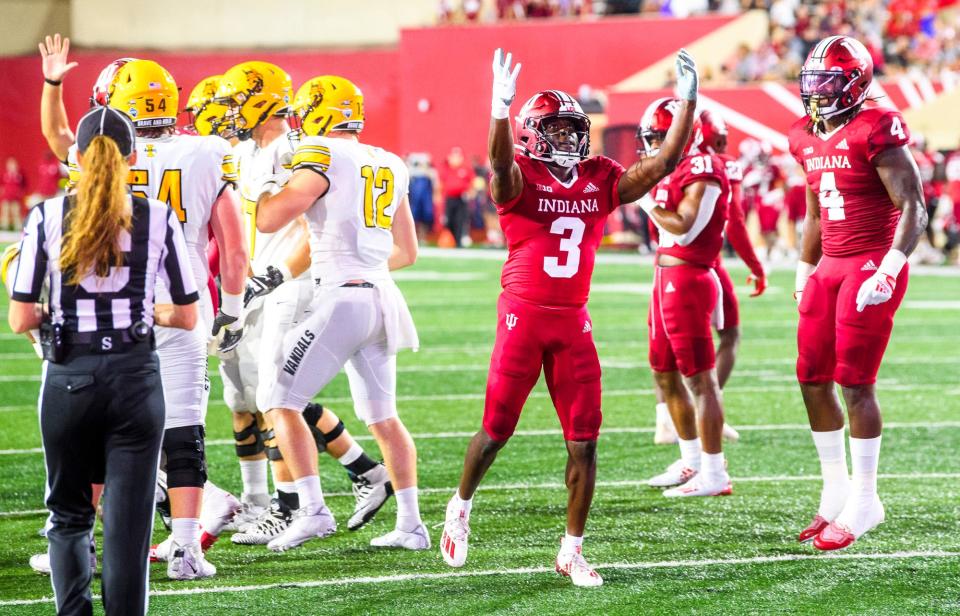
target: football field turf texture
725 555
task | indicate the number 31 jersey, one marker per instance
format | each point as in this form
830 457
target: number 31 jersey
350 226
553 230
856 213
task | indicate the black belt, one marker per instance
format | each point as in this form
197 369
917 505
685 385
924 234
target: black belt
109 341
358 285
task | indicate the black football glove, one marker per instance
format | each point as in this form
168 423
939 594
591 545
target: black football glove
230 341
258 286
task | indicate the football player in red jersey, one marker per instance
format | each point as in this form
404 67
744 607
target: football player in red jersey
553 201
713 140
865 214
689 210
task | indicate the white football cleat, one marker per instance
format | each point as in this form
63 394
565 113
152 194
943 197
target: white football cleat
303 528
160 553
574 566
699 486
665 432
41 562
453 541
271 524
219 509
417 539
729 434
250 513
371 490
676 474
187 562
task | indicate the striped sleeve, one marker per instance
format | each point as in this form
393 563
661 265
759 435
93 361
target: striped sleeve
228 171
175 264
73 176
313 157
32 265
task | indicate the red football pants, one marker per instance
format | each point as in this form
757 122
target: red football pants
834 341
560 341
685 298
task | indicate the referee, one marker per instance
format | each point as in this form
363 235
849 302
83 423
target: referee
101 402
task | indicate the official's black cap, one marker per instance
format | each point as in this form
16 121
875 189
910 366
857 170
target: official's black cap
108 122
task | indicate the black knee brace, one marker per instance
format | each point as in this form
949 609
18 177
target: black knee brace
270 444
186 459
254 430
324 438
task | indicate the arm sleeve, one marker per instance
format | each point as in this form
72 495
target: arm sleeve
889 131
175 265
737 232
228 171
32 265
312 156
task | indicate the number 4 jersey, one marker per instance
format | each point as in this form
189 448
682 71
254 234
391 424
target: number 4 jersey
350 225
553 229
856 213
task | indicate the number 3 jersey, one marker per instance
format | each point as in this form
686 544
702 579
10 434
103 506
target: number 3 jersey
188 173
350 225
701 244
856 213
553 229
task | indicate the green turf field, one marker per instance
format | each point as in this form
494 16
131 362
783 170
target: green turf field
733 555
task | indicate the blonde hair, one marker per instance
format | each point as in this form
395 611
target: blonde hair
92 238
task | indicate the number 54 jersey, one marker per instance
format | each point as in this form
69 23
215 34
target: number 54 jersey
553 229
856 213
350 234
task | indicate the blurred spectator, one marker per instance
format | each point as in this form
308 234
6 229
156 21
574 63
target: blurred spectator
49 174
424 187
13 188
455 179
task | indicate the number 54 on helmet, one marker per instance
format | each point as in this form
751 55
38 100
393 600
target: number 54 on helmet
147 93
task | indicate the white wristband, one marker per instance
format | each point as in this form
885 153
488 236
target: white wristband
804 271
287 275
647 205
231 304
892 263
499 111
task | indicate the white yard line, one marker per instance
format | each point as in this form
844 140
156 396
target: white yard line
620 566
792 427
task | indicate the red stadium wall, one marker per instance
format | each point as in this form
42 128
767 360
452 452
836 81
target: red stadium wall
448 67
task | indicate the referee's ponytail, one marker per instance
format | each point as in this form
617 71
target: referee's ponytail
92 237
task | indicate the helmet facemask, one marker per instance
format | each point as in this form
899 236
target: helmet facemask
562 139
650 142
826 94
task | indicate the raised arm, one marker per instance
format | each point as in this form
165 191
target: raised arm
53 115
507 181
645 173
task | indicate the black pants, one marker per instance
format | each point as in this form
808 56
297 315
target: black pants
456 211
101 415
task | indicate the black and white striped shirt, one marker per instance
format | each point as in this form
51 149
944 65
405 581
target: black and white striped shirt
153 248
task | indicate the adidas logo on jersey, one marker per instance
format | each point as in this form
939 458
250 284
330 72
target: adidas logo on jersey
808 150
591 188
869 266
670 288
843 145
587 327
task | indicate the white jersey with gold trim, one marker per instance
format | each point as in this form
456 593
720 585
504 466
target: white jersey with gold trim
350 236
188 173
253 164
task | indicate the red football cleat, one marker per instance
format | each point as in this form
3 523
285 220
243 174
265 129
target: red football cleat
813 529
207 540
834 537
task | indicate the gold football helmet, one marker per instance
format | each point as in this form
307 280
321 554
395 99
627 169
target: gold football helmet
254 91
147 93
206 116
328 103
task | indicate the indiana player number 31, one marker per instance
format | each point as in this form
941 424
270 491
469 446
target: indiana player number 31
553 201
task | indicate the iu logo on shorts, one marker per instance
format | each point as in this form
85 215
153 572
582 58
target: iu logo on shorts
511 320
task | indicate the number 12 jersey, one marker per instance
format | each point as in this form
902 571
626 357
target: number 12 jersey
553 229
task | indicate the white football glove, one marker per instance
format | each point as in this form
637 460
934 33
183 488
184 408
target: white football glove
879 288
504 85
687 78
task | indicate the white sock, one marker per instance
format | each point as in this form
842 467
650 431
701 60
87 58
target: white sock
253 473
864 458
408 509
663 414
713 467
833 469
352 454
311 496
186 531
570 544
690 452
290 487
458 505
